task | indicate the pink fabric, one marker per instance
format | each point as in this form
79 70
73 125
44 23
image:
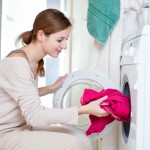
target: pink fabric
116 104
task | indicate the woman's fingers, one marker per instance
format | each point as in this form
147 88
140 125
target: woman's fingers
101 99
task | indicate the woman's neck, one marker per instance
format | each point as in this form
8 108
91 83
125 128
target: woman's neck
34 54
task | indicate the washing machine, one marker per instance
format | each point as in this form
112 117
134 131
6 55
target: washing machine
135 82
71 91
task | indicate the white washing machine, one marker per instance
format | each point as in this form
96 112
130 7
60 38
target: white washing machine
135 83
71 91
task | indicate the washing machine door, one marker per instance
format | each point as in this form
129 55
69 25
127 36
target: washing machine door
71 91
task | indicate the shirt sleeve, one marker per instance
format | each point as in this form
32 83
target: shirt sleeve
18 82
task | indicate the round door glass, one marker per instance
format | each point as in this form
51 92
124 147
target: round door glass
72 98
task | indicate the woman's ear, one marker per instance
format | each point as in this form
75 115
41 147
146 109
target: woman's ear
40 35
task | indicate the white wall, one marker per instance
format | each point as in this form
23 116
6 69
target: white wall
17 17
81 40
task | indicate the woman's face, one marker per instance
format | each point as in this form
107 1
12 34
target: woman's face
55 43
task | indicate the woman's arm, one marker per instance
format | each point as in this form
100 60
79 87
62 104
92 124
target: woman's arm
52 88
20 85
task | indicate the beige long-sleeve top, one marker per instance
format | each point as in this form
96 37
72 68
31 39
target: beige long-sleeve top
19 100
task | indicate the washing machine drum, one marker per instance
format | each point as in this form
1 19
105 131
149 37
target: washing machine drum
71 91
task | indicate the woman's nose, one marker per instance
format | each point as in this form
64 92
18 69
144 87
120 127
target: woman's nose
64 44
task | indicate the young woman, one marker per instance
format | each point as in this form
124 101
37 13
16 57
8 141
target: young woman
24 122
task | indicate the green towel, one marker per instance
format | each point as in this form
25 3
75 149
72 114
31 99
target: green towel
102 18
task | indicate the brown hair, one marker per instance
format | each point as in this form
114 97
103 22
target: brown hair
50 21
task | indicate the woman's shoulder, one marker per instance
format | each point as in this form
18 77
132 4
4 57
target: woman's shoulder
17 65
15 61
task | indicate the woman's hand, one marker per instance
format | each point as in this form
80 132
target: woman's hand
93 108
52 88
59 82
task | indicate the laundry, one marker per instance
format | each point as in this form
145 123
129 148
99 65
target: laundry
117 105
102 18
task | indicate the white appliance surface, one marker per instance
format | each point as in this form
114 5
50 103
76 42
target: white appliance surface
135 74
71 91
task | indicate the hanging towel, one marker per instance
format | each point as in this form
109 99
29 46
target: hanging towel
102 18
117 105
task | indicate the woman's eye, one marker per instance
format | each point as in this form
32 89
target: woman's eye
59 41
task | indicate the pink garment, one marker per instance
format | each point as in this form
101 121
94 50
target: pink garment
116 104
